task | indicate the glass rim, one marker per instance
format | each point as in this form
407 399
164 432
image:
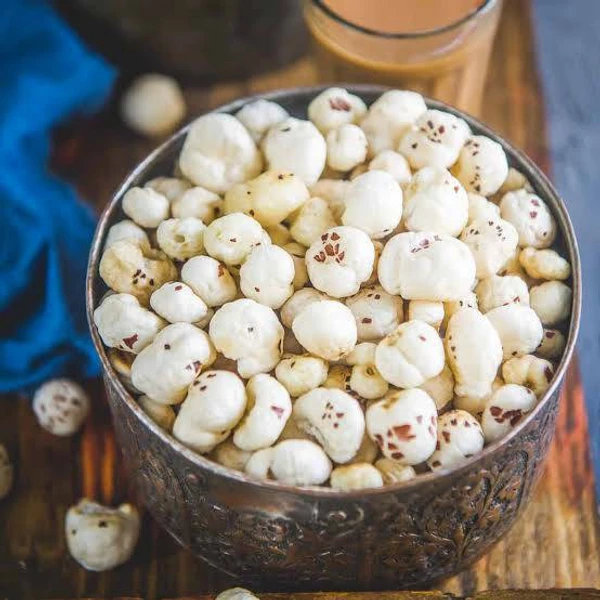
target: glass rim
484 7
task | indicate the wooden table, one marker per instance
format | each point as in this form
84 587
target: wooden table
555 544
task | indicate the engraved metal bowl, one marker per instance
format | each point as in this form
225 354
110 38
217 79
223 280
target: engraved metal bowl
275 536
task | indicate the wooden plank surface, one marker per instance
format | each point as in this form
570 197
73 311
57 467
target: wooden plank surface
555 544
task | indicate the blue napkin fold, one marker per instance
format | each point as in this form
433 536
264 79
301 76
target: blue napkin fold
46 75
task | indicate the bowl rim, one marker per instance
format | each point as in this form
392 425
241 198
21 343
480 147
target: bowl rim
541 184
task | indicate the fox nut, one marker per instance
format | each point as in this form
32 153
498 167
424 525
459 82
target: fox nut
404 426
505 409
429 312
459 437
481 209
238 593
61 406
218 152
373 203
435 201
367 382
334 418
162 414
170 187
326 328
357 476
145 206
340 260
269 407
410 355
210 280
267 276
346 147
476 404
299 462
177 303
181 238
197 202
390 117
376 312
249 333
393 472
440 387
333 191
551 301
496 291
335 107
544 264
474 352
153 105
312 219
482 166
298 302
126 230
229 455
393 163
133 269
552 345
259 116
301 373
530 371
531 218
100 538
6 473
435 140
296 146
426 266
518 327
164 369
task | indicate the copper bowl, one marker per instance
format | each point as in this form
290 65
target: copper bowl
271 535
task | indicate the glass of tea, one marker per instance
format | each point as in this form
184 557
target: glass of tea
440 48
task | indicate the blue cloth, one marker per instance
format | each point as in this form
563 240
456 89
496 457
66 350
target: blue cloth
46 75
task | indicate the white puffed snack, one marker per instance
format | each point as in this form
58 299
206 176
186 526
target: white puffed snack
6 473
229 455
427 311
435 201
239 593
367 382
469 300
61 406
176 302
390 117
268 409
476 404
270 198
122 323
121 362
482 166
373 203
393 472
551 301
404 426
210 280
145 206
496 291
162 414
181 238
440 388
335 419
333 191
153 105
474 352
435 140
326 328
259 116
231 238
100 538
296 146
515 180
133 269
126 230
532 372
280 234
299 462
518 327
410 355
197 202
164 369
531 217
376 312
505 409
312 219
459 437
340 260
301 373
218 152
339 378
481 209
426 266
297 252
357 476
267 275
170 187
544 264
492 242
393 163
250 333
335 107
346 147
552 345
298 302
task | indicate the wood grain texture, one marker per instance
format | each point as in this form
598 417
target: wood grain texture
555 544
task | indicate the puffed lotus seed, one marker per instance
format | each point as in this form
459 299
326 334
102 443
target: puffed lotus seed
530 371
335 107
301 373
210 280
544 264
61 406
393 163
259 116
162 414
393 472
312 220
552 345
126 230
176 302
376 312
239 593
505 409
199 203
346 147
551 301
170 187
145 206
357 476
181 238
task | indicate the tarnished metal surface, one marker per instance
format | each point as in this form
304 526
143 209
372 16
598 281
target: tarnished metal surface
403 535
